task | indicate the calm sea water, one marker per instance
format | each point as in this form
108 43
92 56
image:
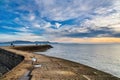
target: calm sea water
105 57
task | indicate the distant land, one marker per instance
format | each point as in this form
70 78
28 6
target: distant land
25 42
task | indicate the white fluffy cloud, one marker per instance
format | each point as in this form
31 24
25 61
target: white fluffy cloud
102 13
67 9
106 17
57 25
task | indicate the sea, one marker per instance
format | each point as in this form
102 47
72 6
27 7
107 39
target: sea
104 57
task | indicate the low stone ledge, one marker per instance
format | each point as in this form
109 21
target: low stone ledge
8 61
33 48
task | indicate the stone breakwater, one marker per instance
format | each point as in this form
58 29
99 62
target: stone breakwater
8 61
33 48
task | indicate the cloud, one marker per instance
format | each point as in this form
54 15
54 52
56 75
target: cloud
47 25
102 16
61 18
31 17
17 29
105 23
110 21
57 25
36 25
86 32
67 9
88 40
21 36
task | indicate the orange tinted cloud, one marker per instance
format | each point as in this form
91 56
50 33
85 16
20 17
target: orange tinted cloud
90 40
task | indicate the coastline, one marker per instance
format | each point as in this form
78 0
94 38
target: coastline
53 68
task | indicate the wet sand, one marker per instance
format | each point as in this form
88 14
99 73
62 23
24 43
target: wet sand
51 68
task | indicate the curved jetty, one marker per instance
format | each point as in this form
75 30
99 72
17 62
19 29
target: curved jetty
46 67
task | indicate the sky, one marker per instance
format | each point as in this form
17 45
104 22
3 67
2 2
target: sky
60 20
